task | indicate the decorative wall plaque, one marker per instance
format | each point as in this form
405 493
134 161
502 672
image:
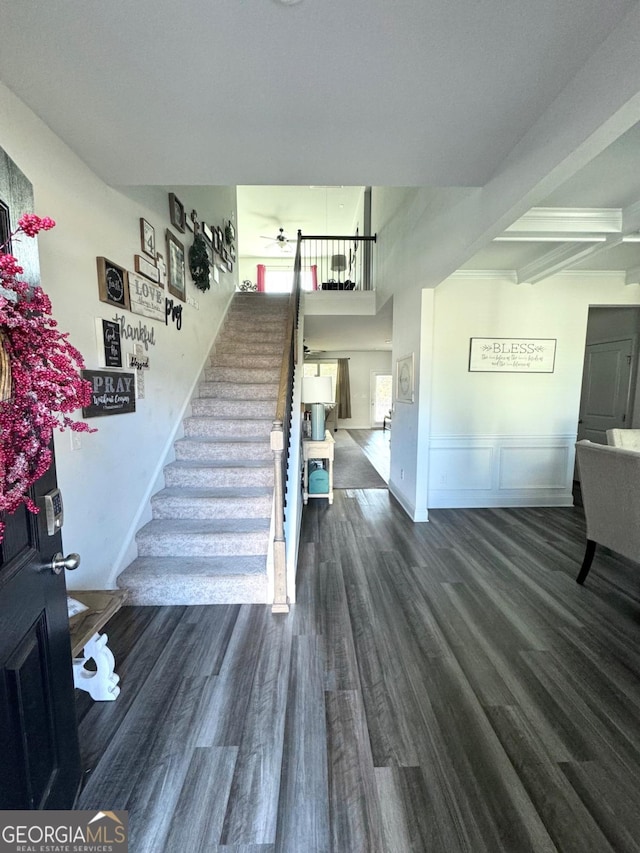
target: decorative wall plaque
113 283
112 393
512 355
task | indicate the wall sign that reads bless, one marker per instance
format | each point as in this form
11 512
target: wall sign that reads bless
512 355
112 393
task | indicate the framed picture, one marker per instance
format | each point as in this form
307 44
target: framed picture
404 379
175 267
232 253
176 212
162 270
113 284
146 268
207 233
147 238
229 233
218 240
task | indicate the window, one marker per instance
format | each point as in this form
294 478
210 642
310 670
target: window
323 368
278 280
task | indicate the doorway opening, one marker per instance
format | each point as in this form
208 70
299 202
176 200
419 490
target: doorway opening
381 397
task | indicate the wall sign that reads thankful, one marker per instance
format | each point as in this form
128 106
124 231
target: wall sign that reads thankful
512 355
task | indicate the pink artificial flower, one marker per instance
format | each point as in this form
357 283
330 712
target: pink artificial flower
46 385
30 224
9 266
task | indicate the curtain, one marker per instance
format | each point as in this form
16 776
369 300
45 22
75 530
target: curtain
261 268
343 390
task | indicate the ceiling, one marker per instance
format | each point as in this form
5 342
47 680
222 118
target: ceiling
278 99
222 92
263 210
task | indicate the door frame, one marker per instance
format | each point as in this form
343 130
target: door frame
373 424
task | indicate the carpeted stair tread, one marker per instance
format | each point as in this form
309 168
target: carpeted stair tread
204 526
154 581
202 566
203 537
215 407
225 390
221 502
215 492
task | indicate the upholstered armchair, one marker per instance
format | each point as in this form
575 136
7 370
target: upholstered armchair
629 438
610 486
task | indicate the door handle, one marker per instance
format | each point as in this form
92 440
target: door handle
58 563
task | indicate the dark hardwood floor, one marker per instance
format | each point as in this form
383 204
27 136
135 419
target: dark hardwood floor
376 446
438 687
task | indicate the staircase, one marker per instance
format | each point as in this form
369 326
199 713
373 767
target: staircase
208 540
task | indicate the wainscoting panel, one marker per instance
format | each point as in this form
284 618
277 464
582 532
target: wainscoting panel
501 470
461 468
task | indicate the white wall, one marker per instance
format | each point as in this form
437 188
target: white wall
479 439
107 482
508 439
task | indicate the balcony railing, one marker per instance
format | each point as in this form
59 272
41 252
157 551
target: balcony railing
337 263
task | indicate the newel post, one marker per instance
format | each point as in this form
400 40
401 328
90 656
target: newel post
280 599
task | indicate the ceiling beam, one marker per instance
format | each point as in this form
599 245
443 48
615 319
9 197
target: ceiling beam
561 258
596 220
632 276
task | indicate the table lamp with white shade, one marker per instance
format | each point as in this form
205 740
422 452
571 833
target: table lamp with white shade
318 392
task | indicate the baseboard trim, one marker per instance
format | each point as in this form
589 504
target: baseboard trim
415 515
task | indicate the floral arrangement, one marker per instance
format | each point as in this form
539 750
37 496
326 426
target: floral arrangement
43 372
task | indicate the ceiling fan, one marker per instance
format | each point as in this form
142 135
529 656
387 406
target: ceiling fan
281 240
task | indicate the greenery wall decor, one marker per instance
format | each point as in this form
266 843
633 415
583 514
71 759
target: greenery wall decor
199 263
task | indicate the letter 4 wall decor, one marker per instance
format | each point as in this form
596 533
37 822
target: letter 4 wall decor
512 355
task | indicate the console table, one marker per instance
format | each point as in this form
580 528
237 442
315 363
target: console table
317 450
101 683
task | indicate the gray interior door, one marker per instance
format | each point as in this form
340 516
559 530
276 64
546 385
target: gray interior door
605 389
40 760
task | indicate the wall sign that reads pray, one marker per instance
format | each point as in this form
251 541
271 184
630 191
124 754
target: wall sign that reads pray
173 312
112 393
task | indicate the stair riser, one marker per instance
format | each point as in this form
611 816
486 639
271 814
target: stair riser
241 374
213 477
177 507
184 591
203 545
256 347
247 359
235 391
201 406
214 428
212 451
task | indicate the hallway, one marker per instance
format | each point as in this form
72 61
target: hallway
438 687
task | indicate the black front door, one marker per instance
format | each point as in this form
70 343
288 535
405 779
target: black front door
38 733
39 755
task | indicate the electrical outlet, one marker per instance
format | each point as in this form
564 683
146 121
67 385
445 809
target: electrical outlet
76 441
402 473
443 479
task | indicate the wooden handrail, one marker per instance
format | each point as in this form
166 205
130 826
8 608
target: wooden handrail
280 441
